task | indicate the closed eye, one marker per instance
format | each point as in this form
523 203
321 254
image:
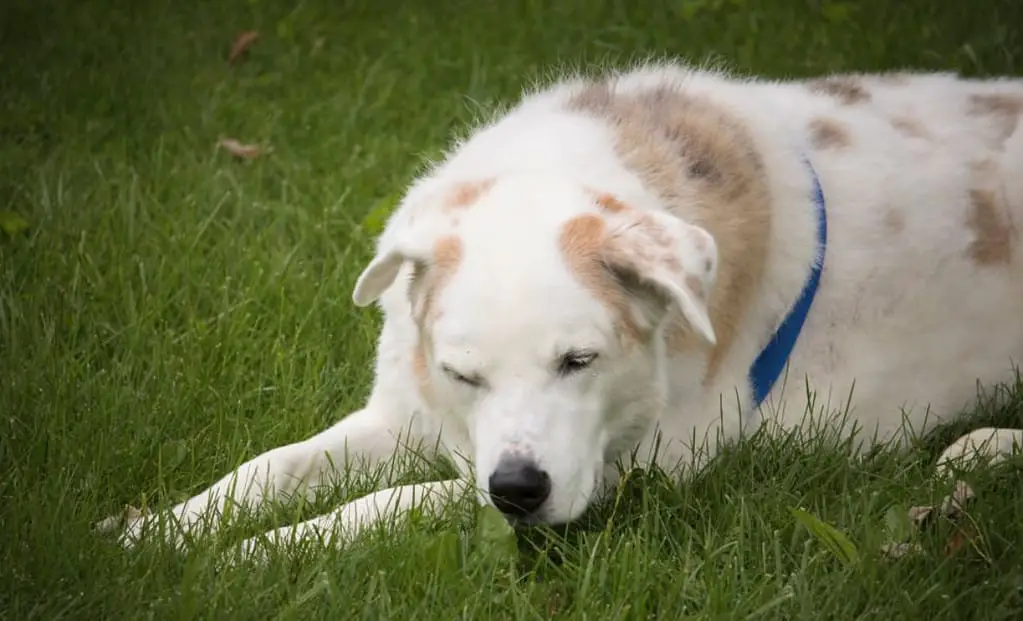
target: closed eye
469 380
575 361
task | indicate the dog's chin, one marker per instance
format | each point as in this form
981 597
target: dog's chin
544 518
534 521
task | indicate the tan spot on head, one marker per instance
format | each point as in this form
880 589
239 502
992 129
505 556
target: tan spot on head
828 134
1002 111
447 253
582 243
895 221
706 168
846 89
993 230
611 203
465 194
429 278
910 127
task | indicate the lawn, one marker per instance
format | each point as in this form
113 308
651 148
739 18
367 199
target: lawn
170 311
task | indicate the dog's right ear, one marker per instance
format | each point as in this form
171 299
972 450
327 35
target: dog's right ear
377 277
428 213
405 238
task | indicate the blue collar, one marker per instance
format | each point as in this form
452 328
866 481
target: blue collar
772 360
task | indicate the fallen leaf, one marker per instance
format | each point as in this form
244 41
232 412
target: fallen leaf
11 223
963 536
952 508
241 44
240 149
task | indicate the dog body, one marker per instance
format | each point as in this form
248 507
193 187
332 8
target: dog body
592 276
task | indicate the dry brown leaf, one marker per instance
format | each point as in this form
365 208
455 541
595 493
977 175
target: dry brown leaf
967 535
240 149
241 44
952 508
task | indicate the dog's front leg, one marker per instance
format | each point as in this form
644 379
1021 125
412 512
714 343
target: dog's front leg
364 439
343 525
986 446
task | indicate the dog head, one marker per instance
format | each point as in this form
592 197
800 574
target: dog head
542 308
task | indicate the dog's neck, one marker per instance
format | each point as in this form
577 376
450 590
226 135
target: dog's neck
772 359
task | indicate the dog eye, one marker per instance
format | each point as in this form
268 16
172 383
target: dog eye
575 361
474 381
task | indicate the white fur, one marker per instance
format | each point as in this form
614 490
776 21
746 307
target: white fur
909 320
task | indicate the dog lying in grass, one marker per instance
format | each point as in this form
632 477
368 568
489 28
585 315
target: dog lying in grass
642 264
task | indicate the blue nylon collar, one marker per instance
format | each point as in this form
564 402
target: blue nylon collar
772 360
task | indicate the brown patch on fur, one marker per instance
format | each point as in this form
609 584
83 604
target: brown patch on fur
994 232
895 221
583 242
428 279
1002 109
847 89
419 370
611 203
419 364
705 167
910 127
828 134
465 194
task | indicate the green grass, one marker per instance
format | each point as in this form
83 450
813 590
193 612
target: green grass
170 312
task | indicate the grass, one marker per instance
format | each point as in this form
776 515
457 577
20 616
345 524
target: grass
170 312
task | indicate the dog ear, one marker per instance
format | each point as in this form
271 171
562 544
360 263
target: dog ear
674 261
378 276
429 212
408 236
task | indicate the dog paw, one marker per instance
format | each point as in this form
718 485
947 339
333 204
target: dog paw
129 525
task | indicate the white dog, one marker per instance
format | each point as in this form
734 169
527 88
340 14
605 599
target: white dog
663 258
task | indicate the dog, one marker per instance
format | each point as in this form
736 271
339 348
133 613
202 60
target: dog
651 261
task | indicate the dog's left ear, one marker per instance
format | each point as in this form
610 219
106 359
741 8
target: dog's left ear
674 260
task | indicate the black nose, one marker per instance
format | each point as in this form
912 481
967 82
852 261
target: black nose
518 487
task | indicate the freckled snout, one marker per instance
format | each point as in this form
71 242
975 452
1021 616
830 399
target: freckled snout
518 487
